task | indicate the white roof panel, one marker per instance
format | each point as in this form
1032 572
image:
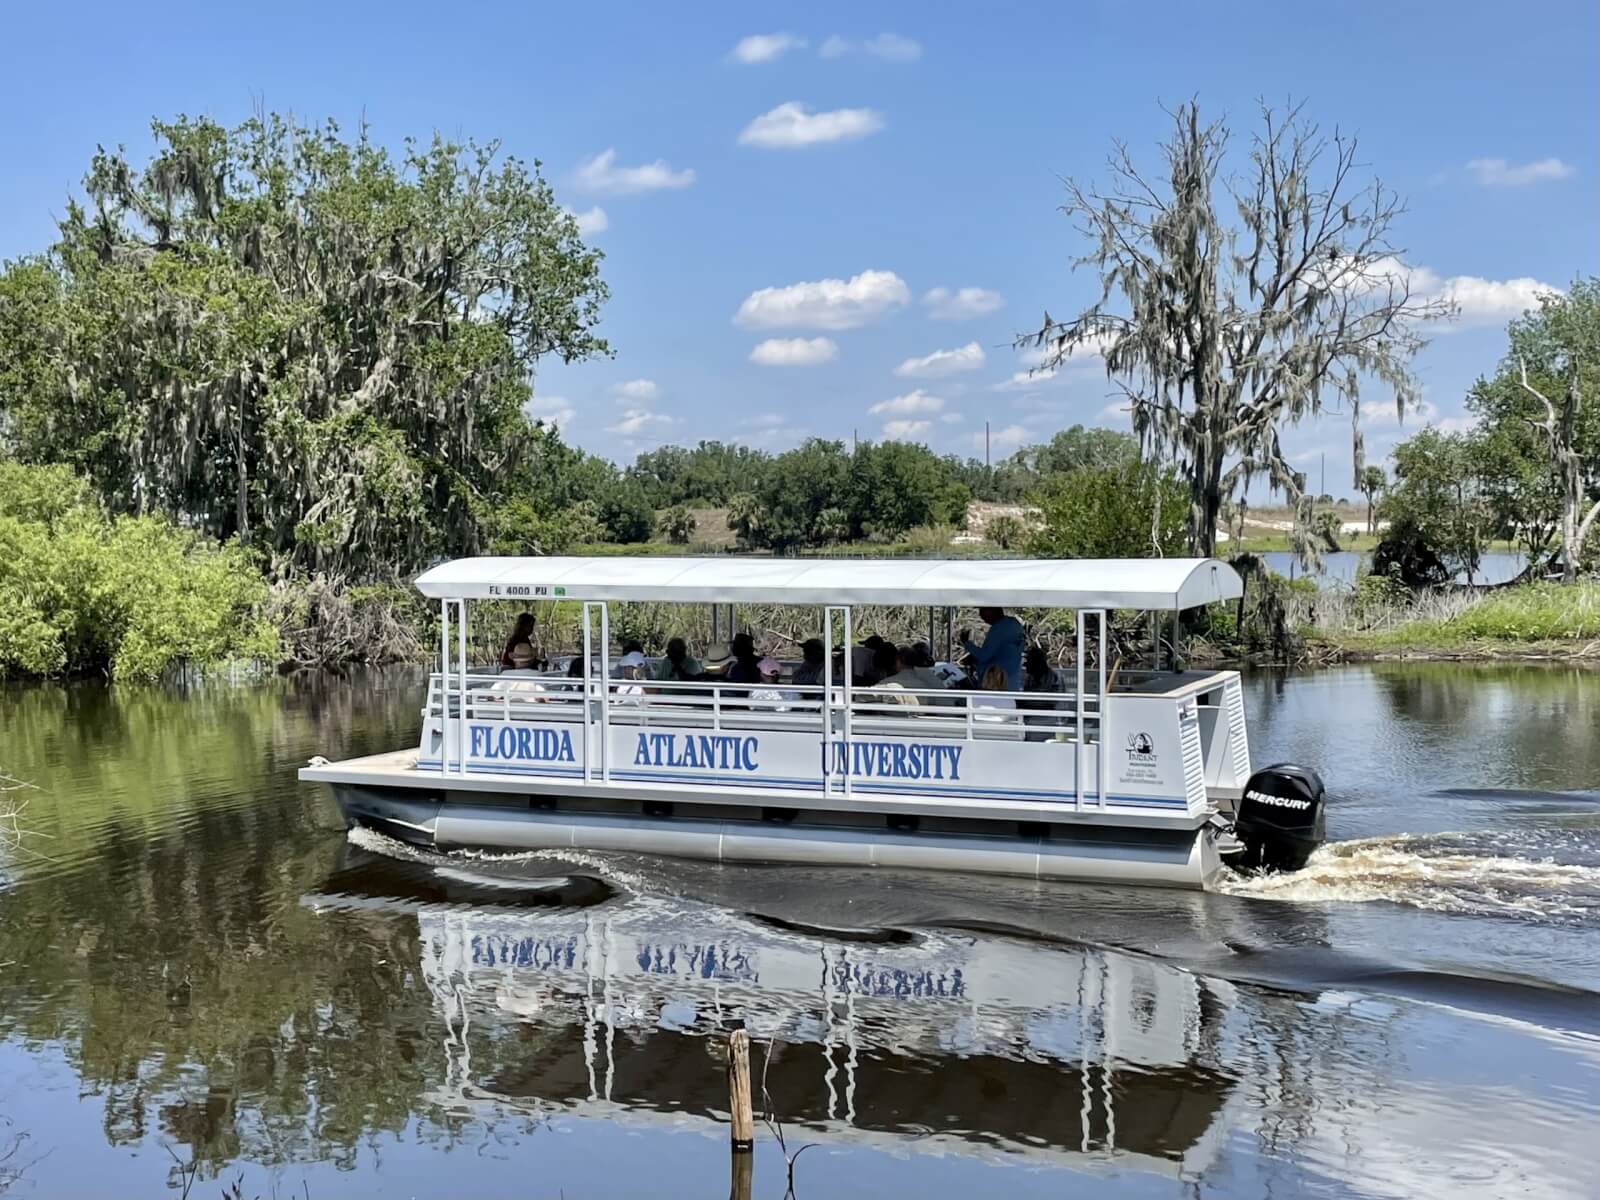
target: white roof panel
1141 583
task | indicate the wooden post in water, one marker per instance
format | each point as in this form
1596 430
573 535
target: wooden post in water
742 1122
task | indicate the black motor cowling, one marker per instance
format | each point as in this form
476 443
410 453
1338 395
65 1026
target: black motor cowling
1281 819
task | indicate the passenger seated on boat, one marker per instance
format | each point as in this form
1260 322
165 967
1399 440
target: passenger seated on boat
575 668
885 669
519 654
746 664
677 666
1042 680
1001 646
809 673
990 706
1039 676
632 646
915 671
715 663
773 697
631 670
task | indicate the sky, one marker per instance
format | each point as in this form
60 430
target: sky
834 219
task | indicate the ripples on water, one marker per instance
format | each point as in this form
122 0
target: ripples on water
205 961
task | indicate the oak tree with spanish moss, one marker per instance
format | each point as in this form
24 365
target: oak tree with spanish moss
1218 332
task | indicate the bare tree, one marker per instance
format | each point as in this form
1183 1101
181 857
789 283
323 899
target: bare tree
1219 336
1559 426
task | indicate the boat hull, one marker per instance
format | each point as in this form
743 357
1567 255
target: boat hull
1168 858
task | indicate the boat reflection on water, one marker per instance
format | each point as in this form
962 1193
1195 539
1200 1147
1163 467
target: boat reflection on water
927 1042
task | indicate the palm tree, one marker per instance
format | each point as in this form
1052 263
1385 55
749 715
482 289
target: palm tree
1371 481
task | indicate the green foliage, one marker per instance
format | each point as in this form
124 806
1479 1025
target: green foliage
277 333
1541 434
1006 531
80 591
625 512
1128 511
678 525
1438 520
711 473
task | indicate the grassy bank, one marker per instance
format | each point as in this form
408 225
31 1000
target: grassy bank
1537 620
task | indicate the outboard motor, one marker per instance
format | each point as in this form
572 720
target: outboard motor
1280 819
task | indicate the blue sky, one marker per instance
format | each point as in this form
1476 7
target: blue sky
894 148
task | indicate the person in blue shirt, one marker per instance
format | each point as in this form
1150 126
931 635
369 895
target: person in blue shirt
1001 647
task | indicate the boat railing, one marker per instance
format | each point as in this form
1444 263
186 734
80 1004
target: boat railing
959 714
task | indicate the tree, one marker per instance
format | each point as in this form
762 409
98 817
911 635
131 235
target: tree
1369 482
1077 447
896 486
1436 514
277 333
1226 334
678 525
1005 531
625 512
1135 510
748 520
1562 342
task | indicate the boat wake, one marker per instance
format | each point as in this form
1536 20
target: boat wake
1439 873
610 867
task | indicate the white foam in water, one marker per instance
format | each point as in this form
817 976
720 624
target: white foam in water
607 868
1401 870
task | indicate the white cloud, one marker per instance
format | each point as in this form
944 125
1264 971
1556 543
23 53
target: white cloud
1497 172
1117 410
638 420
764 47
951 419
906 429
794 352
825 303
591 222
1481 301
602 174
912 402
552 410
1485 301
770 420
1009 438
891 47
942 362
943 304
792 124
637 391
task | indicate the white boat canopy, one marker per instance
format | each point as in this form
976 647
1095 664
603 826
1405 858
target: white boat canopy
1147 584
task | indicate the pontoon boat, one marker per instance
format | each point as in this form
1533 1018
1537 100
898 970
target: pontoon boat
1137 775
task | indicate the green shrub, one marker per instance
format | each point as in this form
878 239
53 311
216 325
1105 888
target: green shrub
131 595
1129 511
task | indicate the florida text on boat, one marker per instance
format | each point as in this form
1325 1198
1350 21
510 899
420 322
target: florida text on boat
1138 774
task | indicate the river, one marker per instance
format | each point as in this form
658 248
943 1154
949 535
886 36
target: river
201 972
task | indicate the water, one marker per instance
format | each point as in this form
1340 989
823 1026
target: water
202 972
1339 568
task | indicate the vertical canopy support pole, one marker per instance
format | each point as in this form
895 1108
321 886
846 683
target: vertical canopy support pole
444 686
849 727
1155 640
1100 716
605 689
826 709
1077 750
461 649
583 694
